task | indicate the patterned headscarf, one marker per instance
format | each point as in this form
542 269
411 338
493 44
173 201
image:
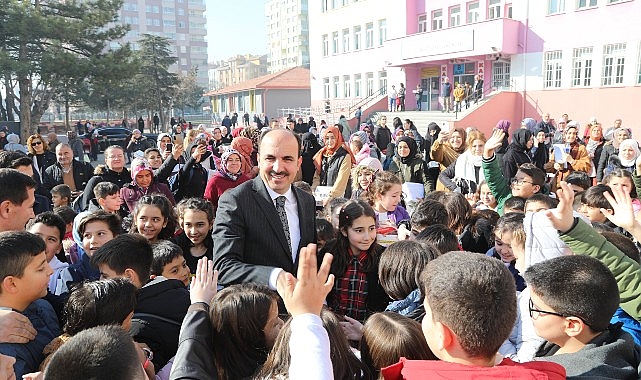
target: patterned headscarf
222 168
244 147
326 151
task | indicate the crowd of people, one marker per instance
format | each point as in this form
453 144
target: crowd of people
326 252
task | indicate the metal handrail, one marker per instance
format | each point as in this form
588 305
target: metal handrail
366 100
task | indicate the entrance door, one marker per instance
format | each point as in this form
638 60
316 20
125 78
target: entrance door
431 88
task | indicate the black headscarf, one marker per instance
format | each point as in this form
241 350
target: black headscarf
310 144
520 139
411 143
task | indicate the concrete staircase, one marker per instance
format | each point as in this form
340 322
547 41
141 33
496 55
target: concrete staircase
422 118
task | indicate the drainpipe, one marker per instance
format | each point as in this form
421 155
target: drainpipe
525 51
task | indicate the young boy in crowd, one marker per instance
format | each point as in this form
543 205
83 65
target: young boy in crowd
579 181
51 229
428 213
61 195
169 262
107 198
439 236
324 232
68 215
162 303
509 227
538 202
24 276
592 201
514 204
572 301
458 287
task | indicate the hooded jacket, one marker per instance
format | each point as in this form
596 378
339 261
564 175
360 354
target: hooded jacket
14 143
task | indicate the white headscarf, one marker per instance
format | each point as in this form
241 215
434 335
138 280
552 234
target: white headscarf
632 144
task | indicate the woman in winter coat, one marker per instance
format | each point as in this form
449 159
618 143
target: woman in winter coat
464 174
446 149
577 160
228 176
334 163
518 152
408 164
626 159
39 152
609 149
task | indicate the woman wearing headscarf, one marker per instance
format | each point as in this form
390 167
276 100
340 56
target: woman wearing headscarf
433 167
576 160
594 142
626 159
310 147
611 148
228 176
518 152
446 149
408 164
466 172
334 163
245 147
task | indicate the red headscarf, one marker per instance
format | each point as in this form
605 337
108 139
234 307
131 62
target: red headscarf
244 146
326 151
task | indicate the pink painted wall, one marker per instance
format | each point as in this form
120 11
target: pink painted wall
504 105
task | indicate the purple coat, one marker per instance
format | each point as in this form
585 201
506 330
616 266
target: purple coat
131 193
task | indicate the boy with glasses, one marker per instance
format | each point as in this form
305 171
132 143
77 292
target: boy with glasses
571 303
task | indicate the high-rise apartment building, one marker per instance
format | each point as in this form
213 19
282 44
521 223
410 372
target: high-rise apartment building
287 34
181 21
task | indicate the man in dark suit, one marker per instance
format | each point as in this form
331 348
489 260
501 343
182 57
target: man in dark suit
250 239
478 88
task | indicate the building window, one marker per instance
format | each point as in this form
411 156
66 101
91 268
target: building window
437 19
334 4
582 67
508 10
556 6
493 9
358 45
473 12
347 86
552 69
422 23
613 64
382 31
613 1
455 15
370 84
369 35
335 43
585 4
335 89
357 85
345 40
325 45
382 82
325 7
501 75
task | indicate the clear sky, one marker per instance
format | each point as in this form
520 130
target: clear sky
235 27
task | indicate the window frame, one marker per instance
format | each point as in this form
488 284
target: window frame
552 69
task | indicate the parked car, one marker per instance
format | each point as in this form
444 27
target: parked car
113 136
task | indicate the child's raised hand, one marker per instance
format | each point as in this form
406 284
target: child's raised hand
495 141
622 206
562 217
306 293
205 284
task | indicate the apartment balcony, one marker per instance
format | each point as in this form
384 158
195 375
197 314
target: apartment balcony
499 36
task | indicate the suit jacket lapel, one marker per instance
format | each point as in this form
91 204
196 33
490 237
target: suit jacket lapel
271 216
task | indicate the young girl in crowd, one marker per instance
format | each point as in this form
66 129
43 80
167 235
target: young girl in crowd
622 179
154 218
362 177
228 176
345 364
143 183
389 336
486 198
357 291
196 217
385 197
245 324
